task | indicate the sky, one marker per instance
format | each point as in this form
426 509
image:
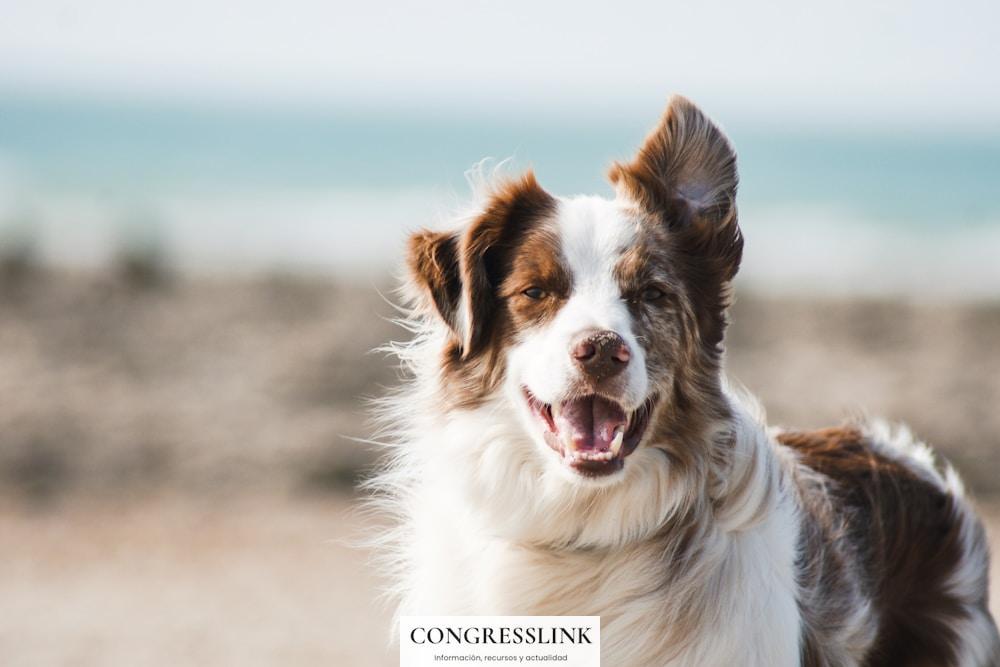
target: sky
894 61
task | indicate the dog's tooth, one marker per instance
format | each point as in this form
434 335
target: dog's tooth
555 410
616 444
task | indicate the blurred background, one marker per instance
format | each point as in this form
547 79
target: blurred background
201 204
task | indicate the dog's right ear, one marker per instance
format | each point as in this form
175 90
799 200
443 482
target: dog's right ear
458 273
432 260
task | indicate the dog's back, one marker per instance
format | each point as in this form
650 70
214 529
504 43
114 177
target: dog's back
885 523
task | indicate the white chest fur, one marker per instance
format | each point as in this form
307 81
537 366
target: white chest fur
737 605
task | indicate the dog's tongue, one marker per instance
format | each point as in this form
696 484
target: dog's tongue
589 424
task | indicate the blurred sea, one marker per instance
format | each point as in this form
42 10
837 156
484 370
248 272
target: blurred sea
217 190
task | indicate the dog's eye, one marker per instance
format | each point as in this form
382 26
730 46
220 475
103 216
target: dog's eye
534 293
652 294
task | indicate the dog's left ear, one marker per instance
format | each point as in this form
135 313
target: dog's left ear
685 175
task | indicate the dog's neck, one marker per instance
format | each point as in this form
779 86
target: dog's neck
741 487
733 487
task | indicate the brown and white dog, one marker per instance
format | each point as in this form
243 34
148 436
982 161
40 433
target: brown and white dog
568 445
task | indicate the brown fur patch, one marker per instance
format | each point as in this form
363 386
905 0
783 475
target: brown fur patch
475 267
683 185
901 536
667 329
538 263
488 247
432 260
684 177
685 169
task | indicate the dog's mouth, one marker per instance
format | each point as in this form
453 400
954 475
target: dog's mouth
592 434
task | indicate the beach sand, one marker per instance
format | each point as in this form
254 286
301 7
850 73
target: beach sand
177 456
171 581
175 582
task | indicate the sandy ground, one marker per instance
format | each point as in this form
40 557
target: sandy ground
172 582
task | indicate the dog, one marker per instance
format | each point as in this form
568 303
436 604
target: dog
566 444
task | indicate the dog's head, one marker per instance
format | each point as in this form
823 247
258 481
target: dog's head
598 322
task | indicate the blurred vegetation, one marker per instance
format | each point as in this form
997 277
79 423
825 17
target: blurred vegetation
19 261
141 259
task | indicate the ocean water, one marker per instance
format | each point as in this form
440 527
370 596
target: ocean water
845 210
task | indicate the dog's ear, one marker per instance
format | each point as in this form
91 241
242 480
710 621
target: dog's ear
432 260
685 175
460 272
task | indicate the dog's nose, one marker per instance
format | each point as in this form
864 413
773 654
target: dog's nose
601 354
